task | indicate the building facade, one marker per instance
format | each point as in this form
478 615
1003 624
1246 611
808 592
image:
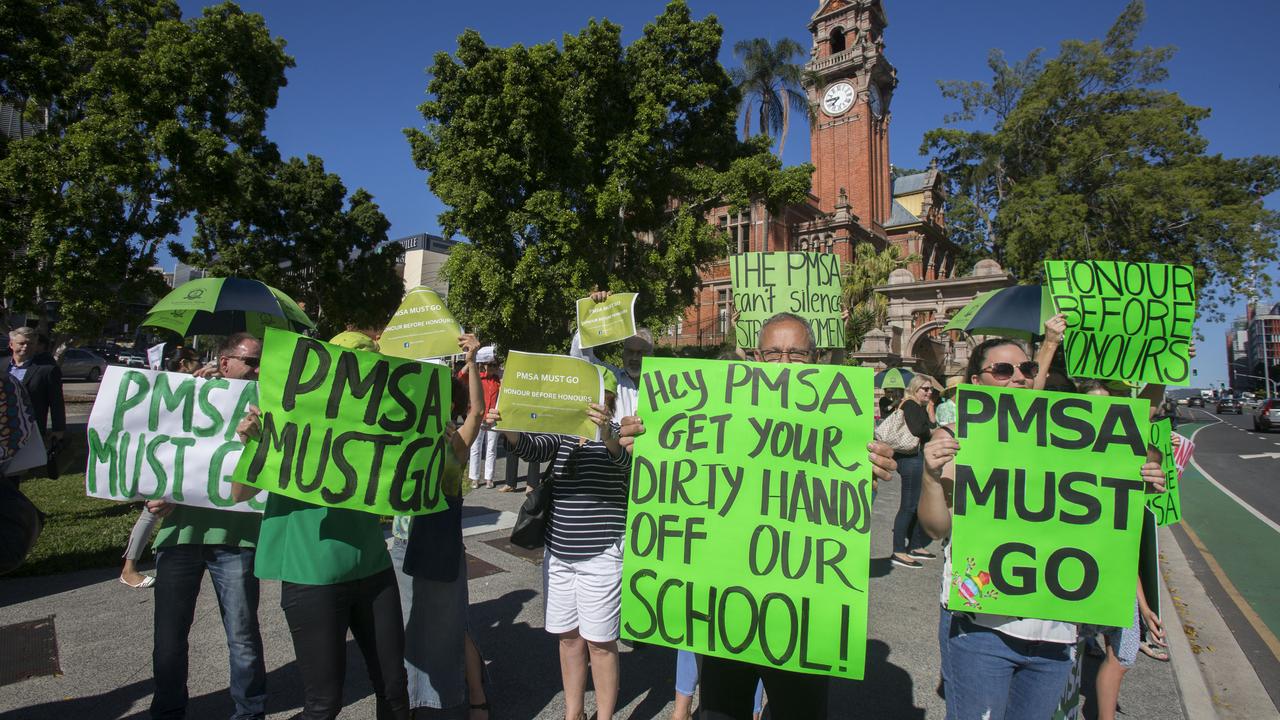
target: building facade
1263 351
854 199
424 256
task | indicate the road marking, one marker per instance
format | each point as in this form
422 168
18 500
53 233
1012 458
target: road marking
1245 608
1272 455
1252 510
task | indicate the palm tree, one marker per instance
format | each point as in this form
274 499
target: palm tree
768 78
868 269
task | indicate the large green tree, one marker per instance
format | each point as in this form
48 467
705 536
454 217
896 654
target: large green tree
1087 156
587 164
326 250
141 118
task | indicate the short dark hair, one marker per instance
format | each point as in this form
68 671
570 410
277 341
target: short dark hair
978 358
784 317
232 342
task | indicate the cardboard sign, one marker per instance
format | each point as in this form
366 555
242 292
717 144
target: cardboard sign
349 428
1047 505
549 394
1149 562
613 320
1166 506
806 284
749 511
1125 320
421 328
171 436
1182 452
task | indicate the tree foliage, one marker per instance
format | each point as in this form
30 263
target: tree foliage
770 83
1087 157
141 119
587 164
328 251
868 309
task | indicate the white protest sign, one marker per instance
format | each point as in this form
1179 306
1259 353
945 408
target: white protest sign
162 435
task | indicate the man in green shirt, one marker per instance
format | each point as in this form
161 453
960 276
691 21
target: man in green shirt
192 540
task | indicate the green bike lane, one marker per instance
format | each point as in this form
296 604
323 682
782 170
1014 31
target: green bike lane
1234 552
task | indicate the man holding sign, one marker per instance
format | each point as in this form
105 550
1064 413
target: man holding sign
1004 666
818 497
196 539
634 350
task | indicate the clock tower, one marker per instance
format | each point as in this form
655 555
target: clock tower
850 86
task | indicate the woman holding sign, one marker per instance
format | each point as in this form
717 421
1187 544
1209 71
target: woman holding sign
582 564
995 666
444 666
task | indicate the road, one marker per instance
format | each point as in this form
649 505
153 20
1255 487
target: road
1231 532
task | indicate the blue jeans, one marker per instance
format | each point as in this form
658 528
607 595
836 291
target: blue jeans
907 533
991 676
179 572
687 678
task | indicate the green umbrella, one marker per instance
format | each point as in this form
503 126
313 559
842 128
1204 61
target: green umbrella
1018 312
893 378
224 306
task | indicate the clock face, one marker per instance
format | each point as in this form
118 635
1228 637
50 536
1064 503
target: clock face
838 98
875 101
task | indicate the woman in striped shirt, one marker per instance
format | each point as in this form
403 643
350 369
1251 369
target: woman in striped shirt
582 563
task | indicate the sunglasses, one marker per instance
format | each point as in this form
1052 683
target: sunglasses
1004 370
249 360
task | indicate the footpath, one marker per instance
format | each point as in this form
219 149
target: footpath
104 632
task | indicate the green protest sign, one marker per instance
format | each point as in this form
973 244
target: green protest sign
1166 506
1125 320
349 428
549 394
1047 505
748 514
421 328
167 436
613 320
806 284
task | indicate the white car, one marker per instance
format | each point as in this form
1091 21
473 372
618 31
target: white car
1267 416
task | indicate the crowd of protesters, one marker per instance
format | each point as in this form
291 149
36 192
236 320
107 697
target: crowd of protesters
406 602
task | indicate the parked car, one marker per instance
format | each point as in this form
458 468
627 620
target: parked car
132 358
79 363
1229 404
1195 401
1267 416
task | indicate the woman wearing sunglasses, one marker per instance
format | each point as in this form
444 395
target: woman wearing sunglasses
994 666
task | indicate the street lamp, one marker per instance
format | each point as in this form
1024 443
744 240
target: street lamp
1270 386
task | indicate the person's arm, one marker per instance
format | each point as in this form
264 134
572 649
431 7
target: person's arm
600 415
250 426
57 409
1054 328
1154 625
466 434
934 510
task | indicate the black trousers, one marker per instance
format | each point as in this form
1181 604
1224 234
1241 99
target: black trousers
319 616
729 688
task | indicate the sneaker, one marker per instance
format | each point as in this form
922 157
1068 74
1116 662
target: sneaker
908 563
922 554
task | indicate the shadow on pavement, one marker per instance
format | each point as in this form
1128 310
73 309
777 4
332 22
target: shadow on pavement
24 589
887 691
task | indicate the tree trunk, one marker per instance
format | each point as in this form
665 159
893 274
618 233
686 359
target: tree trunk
786 120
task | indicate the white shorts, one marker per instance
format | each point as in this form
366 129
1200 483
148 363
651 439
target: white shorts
584 594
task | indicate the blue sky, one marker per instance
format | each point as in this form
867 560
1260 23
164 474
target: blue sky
361 73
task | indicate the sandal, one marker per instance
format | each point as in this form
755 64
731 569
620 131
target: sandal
481 707
146 582
1155 652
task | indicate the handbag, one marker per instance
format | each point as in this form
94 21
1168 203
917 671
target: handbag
895 433
530 529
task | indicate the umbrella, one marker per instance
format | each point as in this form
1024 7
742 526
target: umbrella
893 377
1018 311
223 306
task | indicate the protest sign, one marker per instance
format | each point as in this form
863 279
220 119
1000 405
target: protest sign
549 394
171 436
421 328
155 356
749 510
1125 320
1166 506
613 320
349 428
1047 505
806 284
1182 452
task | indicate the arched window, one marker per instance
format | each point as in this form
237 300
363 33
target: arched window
835 41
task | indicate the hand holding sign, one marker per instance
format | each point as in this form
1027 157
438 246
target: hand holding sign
605 318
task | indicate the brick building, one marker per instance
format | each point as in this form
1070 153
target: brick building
853 200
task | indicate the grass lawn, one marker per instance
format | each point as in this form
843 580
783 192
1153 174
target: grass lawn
79 532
